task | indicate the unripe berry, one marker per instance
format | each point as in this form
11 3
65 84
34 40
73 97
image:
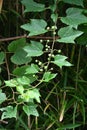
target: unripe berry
46 45
40 63
59 51
48 40
49 47
46 49
48 58
54 33
41 70
51 69
41 40
49 55
36 61
52 55
45 67
34 75
54 27
48 28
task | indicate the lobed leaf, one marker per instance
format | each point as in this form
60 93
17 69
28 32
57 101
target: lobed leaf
74 17
32 6
60 61
75 2
34 49
32 69
2 96
68 34
11 83
30 109
31 94
23 80
35 27
20 57
16 44
48 76
8 112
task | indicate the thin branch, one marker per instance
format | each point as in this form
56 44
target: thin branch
25 36
2 121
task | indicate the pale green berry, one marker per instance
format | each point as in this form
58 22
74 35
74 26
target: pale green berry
41 70
41 40
48 40
48 28
48 58
45 67
81 100
34 75
49 55
49 47
54 33
52 55
36 61
59 51
51 69
40 63
46 49
53 27
46 45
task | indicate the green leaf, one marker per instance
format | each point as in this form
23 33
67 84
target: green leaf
68 34
20 57
32 6
35 27
83 111
34 94
30 109
23 80
69 126
31 94
60 61
74 17
2 57
54 17
2 96
32 69
53 6
8 112
11 83
20 71
32 78
48 76
20 89
82 40
34 49
17 44
75 2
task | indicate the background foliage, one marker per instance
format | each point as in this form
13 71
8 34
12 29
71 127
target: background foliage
43 65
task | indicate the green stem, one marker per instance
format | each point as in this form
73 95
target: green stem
72 53
74 113
78 63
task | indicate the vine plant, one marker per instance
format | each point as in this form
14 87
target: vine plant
35 60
